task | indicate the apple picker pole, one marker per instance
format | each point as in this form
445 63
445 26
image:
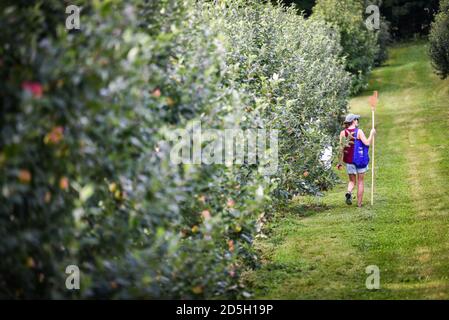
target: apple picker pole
373 102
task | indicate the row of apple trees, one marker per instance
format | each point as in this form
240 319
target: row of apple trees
87 179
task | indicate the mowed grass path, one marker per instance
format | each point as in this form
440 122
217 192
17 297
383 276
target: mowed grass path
319 248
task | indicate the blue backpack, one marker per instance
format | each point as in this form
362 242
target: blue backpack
361 152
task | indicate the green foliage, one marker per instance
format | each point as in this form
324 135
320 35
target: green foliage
384 36
291 69
383 40
439 41
86 177
407 18
359 44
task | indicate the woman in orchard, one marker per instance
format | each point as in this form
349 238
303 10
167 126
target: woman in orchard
347 140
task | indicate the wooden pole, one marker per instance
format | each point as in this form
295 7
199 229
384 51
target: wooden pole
373 102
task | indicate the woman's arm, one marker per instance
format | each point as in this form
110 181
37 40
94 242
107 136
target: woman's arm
364 139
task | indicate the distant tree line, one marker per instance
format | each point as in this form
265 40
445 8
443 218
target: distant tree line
407 18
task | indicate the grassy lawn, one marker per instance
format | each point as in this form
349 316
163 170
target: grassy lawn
318 248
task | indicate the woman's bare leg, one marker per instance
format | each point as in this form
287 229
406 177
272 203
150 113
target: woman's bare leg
351 184
360 188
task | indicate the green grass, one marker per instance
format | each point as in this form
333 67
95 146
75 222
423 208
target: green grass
318 248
